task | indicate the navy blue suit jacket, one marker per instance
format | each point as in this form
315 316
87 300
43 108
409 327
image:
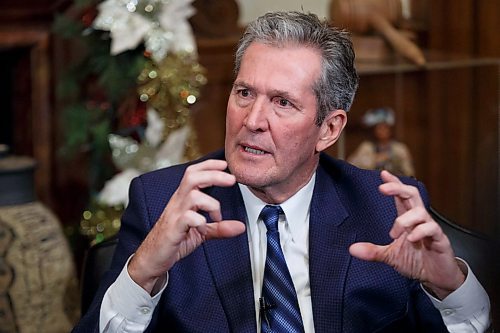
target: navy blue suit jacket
211 290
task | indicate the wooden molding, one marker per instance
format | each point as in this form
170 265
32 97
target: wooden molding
30 10
36 41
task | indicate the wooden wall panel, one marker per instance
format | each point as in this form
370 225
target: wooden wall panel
451 26
450 102
487 27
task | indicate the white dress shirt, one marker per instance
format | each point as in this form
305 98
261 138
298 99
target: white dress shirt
294 239
126 307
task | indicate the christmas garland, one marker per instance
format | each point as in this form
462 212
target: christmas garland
127 98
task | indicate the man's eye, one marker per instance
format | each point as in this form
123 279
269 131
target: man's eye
243 92
283 102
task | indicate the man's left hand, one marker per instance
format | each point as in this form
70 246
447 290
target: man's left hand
420 249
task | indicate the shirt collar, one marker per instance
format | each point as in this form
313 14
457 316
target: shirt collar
296 208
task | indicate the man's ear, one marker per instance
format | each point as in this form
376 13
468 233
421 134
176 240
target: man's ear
331 128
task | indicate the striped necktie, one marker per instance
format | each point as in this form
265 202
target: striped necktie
279 306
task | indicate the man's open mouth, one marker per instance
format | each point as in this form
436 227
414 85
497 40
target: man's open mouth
254 151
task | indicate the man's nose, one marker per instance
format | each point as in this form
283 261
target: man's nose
256 118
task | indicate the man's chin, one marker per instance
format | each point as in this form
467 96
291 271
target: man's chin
250 173
249 178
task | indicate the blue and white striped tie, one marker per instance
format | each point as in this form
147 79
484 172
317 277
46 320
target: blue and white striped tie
279 306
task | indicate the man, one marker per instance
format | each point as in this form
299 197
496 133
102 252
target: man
193 254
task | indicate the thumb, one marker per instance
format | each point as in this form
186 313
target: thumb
367 251
224 229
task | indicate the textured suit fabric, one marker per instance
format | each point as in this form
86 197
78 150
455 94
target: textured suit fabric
211 290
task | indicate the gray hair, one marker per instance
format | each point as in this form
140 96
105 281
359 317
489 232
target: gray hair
337 84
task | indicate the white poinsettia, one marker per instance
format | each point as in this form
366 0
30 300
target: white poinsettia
166 29
172 150
127 29
135 158
115 191
173 18
154 131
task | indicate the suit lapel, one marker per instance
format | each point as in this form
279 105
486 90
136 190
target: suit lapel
229 263
329 240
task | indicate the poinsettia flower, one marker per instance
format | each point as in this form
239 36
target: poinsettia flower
127 28
115 191
136 158
169 31
172 150
154 131
174 19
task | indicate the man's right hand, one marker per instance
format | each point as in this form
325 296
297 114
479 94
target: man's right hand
181 228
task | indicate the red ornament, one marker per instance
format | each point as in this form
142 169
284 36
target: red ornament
88 16
138 117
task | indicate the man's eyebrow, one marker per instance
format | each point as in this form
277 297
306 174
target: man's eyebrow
242 84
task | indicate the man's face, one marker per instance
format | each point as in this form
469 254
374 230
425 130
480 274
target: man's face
271 137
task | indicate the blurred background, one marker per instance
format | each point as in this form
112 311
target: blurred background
91 103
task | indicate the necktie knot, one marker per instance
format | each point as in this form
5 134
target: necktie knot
270 216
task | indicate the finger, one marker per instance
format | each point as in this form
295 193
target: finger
205 174
389 177
197 200
409 220
224 229
405 192
406 196
429 230
192 219
368 251
209 165
196 178
202 179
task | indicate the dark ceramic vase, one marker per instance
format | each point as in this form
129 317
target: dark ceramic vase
36 265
